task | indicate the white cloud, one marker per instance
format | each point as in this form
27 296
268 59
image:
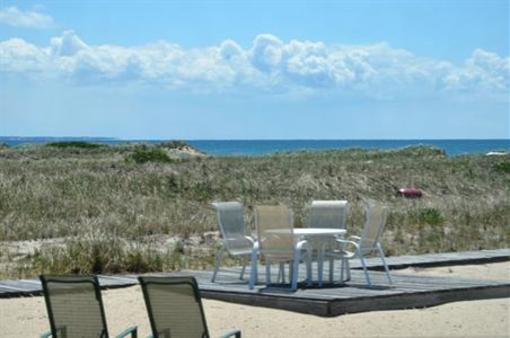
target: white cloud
67 45
12 16
269 65
266 53
16 55
484 71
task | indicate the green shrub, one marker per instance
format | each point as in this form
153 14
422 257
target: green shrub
75 144
144 155
430 216
503 167
173 144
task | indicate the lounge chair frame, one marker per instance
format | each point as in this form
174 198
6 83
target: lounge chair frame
170 281
58 332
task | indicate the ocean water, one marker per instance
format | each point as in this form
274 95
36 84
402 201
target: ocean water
262 147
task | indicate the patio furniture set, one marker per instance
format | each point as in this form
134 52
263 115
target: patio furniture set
75 306
277 241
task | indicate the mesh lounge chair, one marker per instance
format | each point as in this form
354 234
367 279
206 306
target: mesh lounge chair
276 241
175 308
328 214
235 240
75 308
368 243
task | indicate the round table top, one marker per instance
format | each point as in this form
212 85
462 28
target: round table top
318 231
311 231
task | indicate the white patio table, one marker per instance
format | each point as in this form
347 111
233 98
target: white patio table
318 238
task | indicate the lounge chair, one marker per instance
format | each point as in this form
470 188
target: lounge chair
367 243
175 308
328 214
276 241
75 308
235 239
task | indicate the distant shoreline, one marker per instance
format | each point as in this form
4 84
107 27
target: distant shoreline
452 147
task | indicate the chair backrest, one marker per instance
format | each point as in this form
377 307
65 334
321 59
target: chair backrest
375 220
275 230
75 307
328 214
174 306
232 226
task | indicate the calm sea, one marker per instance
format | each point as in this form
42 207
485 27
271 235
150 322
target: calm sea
261 147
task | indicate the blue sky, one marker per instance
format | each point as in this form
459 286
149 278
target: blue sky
265 69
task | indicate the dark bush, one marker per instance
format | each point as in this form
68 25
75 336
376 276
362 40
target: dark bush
75 144
144 155
503 167
173 144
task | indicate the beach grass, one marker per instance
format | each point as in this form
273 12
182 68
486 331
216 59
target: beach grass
142 208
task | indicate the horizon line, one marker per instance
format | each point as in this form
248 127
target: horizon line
251 139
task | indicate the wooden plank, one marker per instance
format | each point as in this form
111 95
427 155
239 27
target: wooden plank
408 291
20 285
416 300
314 306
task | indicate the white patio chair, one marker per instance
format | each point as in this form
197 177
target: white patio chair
276 241
332 215
235 239
365 244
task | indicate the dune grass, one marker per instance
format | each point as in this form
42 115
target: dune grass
110 209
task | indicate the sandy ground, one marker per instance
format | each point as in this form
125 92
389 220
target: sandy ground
26 317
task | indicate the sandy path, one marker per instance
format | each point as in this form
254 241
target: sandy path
26 317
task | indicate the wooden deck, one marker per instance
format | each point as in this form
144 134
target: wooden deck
407 291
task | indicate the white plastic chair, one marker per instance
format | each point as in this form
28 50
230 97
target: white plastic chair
235 239
276 241
332 215
365 244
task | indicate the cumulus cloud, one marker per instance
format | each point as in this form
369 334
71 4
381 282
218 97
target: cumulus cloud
12 16
269 64
17 55
483 70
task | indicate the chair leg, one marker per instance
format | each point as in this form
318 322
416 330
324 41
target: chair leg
342 268
254 268
219 255
331 266
381 254
268 271
348 270
309 268
291 271
295 270
281 273
365 270
241 276
320 266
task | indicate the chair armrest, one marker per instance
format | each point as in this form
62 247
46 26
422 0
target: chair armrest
251 239
133 331
233 333
46 335
357 238
301 244
256 246
343 242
